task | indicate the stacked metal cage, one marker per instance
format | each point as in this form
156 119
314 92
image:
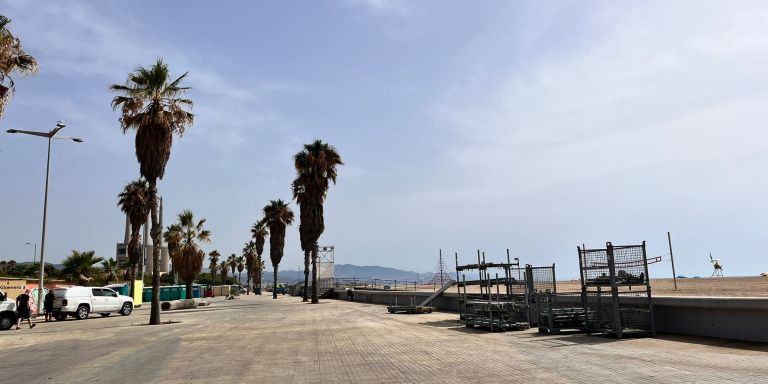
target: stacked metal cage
607 278
501 303
508 293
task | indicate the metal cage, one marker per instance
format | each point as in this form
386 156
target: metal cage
607 277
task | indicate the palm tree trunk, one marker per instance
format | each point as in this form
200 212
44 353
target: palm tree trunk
274 283
257 288
189 290
154 313
248 282
314 274
213 276
306 276
132 259
132 278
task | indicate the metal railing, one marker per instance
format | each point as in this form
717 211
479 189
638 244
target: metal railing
377 284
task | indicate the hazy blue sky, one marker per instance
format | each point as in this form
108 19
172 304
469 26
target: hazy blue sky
533 126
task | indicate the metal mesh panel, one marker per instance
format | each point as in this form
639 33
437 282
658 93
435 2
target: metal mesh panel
540 279
594 267
517 282
635 312
624 265
629 263
559 311
631 314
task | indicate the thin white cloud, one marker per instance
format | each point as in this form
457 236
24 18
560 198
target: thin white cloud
78 41
645 89
382 7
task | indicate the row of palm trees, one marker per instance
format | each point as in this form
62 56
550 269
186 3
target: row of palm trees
153 105
316 168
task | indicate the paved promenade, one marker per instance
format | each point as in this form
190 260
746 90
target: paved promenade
257 339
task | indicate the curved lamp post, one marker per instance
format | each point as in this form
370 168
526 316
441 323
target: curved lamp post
49 135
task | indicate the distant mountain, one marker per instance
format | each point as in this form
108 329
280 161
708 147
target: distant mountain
57 266
354 271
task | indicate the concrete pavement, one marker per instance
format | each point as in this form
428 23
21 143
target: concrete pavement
257 339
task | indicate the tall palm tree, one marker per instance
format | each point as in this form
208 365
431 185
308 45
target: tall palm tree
134 202
79 266
110 270
232 263
250 258
259 234
214 257
240 266
13 59
315 170
278 215
223 269
151 103
187 256
172 237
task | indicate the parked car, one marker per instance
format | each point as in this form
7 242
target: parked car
8 309
7 313
79 302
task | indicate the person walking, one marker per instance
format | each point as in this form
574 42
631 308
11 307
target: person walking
48 304
23 310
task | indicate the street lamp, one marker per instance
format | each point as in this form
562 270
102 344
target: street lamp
49 135
34 254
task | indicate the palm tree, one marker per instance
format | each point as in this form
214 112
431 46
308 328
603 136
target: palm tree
249 253
278 215
172 237
13 59
134 202
110 269
79 266
214 257
258 271
187 257
315 169
232 263
240 260
259 234
151 103
223 269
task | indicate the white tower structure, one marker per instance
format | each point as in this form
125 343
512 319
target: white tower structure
164 256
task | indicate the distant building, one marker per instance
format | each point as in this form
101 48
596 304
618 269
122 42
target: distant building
121 254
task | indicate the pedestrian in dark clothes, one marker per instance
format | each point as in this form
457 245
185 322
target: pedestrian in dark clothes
22 309
49 297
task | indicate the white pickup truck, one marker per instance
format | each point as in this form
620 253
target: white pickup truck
7 313
79 302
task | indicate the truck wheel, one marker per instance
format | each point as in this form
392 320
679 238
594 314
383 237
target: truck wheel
82 312
7 321
59 316
127 309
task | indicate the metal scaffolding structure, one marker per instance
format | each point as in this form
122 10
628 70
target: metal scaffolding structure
504 309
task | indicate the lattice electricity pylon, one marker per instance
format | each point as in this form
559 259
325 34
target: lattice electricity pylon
441 275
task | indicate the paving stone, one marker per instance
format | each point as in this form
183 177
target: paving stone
257 339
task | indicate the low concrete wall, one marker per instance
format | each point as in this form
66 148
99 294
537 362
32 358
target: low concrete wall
738 318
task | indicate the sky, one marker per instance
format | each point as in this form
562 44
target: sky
492 125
